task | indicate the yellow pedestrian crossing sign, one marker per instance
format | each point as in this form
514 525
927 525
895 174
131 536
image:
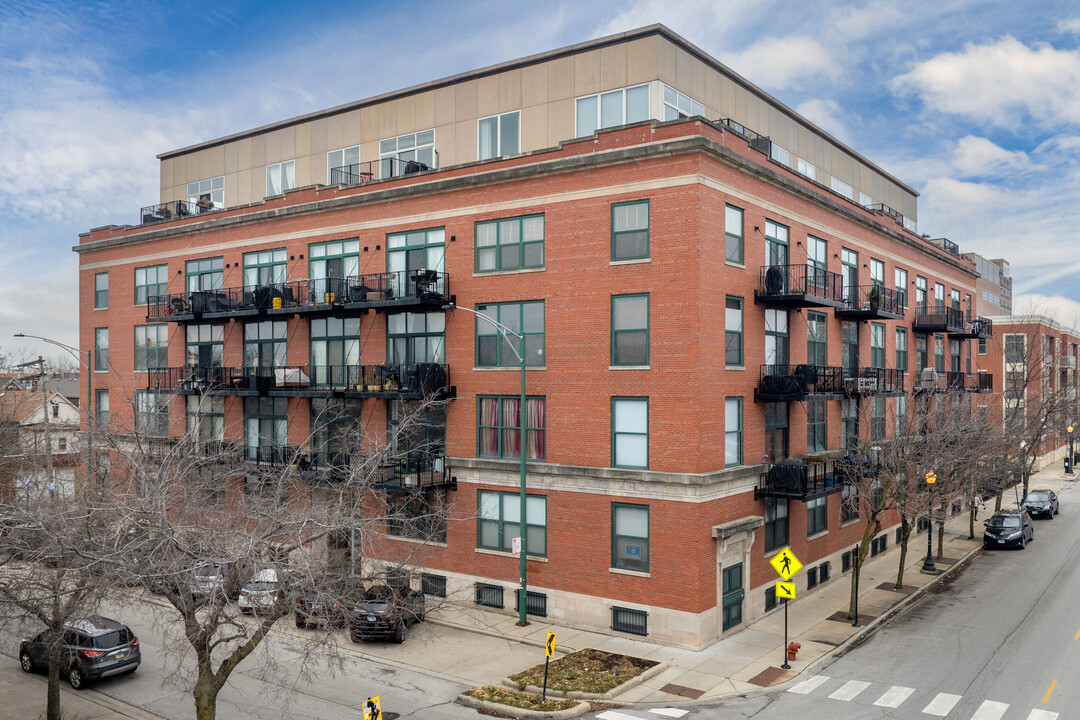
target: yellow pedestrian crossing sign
785 590
785 563
372 709
549 649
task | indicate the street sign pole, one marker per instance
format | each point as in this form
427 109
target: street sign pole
786 665
549 650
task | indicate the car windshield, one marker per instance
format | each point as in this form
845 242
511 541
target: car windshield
1005 521
1038 496
376 606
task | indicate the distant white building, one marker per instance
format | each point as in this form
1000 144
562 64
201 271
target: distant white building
24 452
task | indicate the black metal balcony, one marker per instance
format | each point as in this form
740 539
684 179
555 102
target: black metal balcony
174 210
957 382
938 320
414 475
874 381
802 479
794 286
871 302
219 304
780 383
977 328
981 382
381 169
930 381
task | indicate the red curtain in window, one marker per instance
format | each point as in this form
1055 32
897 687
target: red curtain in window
535 419
489 430
511 419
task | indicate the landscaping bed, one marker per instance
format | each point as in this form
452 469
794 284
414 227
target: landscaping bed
590 672
523 700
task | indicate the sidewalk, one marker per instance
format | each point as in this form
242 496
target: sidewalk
746 661
24 696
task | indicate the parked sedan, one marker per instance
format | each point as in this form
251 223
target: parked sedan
95 647
386 612
1042 502
1008 528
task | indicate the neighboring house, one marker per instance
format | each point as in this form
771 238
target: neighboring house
24 464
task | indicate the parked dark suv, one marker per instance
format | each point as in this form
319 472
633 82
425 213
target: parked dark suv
94 647
1042 502
1008 528
386 612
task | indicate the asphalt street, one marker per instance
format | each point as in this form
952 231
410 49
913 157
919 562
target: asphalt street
1001 642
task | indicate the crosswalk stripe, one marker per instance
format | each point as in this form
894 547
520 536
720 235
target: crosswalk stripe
894 696
809 685
849 690
1042 715
612 715
990 710
669 712
941 705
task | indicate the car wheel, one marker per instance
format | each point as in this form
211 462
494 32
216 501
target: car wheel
76 677
402 632
26 661
1023 542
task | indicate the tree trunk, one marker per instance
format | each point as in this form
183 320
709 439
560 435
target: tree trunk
205 693
971 519
905 533
52 705
997 499
871 529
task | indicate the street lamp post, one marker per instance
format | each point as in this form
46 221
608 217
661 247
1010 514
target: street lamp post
1069 459
76 353
928 564
505 332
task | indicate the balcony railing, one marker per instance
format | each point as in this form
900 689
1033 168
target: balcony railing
758 142
981 382
381 169
793 382
173 210
957 381
799 286
929 319
975 328
871 302
417 474
874 381
405 381
802 479
400 288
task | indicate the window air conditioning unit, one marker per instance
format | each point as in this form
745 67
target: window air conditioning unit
928 379
867 384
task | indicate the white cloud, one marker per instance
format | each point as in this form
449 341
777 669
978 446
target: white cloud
781 62
977 157
1003 83
871 19
1069 26
826 114
1059 308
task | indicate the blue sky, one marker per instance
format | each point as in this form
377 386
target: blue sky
972 103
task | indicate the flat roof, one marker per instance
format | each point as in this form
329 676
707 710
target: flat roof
647 31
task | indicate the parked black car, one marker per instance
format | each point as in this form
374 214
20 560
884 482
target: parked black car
386 612
1042 502
94 647
1008 528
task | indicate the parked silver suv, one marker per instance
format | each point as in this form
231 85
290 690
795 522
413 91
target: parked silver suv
94 647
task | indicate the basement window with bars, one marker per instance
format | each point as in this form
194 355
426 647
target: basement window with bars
770 598
823 571
489 595
811 578
434 585
535 603
635 622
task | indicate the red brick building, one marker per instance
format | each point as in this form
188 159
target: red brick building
708 286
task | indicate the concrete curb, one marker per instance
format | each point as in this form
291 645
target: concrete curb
609 695
580 709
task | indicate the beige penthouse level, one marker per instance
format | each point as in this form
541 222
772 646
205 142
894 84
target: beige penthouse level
518 107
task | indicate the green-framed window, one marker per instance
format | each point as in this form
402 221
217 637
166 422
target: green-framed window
266 267
817 350
816 425
418 515
630 432
510 244
152 413
416 338
630 230
776 523
151 347
733 331
415 250
877 418
101 291
630 329
499 522
877 272
900 283
266 428
204 346
499 427
150 282
630 537
817 516
101 348
939 353
901 349
733 430
205 416
920 293
877 345
101 409
733 234
330 263
982 346
264 344
524 318
732 595
776 244
336 427
335 347
205 274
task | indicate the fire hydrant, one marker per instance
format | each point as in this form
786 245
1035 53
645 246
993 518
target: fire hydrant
792 649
